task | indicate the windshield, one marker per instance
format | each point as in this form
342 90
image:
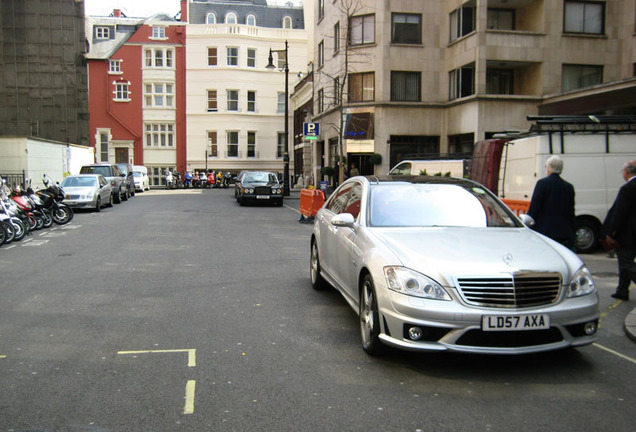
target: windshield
79 182
427 205
259 177
103 170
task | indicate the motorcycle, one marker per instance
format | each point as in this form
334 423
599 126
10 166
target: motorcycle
169 180
210 180
52 197
12 214
187 180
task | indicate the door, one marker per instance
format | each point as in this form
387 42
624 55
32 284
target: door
121 155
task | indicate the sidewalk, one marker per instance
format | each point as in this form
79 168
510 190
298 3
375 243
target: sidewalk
600 267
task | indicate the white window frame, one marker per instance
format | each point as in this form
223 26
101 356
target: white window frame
114 67
287 22
122 92
251 101
251 146
159 94
232 100
232 54
251 57
230 135
213 144
159 58
210 18
159 135
231 18
214 98
159 32
102 33
251 20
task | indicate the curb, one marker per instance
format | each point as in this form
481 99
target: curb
630 325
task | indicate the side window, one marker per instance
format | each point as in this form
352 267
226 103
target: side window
338 203
402 169
347 200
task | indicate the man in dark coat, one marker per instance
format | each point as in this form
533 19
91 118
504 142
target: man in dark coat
620 231
552 204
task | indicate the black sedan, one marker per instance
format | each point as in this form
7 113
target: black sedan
258 186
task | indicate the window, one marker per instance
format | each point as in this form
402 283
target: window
287 22
500 81
321 100
103 146
280 147
159 95
210 18
321 8
281 103
102 33
251 57
232 56
463 143
251 101
212 101
232 100
122 92
232 144
336 37
362 87
584 17
405 86
321 54
462 22
159 57
158 32
251 144
501 19
251 20
230 18
336 91
213 150
159 135
212 57
114 67
574 77
461 82
406 28
362 30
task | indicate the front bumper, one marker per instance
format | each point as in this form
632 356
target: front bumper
454 326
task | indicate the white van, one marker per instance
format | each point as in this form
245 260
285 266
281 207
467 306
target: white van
450 168
142 182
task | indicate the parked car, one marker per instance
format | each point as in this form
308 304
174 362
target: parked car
113 174
258 186
129 178
142 182
87 191
439 263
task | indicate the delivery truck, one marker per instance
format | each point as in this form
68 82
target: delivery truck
593 149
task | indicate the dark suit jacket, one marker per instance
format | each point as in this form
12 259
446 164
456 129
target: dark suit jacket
552 208
620 223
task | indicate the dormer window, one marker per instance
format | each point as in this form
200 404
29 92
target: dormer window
251 20
287 22
210 18
102 33
158 32
230 18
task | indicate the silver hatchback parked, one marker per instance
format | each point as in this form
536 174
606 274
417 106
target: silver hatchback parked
434 263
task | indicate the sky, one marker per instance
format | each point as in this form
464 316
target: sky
140 8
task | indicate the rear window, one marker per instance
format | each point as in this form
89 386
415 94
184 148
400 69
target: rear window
103 170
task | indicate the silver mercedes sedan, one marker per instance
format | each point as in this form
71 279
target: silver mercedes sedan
438 263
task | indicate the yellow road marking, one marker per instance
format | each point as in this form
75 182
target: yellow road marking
192 356
616 353
3 356
189 397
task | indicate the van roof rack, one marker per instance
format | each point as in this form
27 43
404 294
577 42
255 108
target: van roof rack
583 123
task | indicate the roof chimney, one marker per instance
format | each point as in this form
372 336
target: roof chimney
117 13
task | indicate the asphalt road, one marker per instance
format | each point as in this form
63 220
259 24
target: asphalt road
182 311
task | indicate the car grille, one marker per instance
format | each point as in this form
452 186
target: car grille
523 289
262 190
72 197
513 339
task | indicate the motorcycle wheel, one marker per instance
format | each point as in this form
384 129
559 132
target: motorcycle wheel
9 230
20 229
46 217
39 221
62 215
33 223
3 237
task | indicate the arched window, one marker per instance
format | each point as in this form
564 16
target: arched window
210 18
230 18
287 22
251 20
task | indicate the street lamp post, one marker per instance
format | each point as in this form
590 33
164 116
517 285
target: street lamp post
270 65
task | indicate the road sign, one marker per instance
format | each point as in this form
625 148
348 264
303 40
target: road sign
311 131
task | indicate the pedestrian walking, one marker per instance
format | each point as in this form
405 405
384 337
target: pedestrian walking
620 231
552 204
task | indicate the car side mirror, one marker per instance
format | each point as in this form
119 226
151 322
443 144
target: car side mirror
343 220
527 220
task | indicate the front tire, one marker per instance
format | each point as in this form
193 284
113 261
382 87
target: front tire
587 236
369 318
62 215
98 204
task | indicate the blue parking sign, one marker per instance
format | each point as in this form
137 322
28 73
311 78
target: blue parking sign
311 130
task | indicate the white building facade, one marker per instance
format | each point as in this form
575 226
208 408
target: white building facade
235 105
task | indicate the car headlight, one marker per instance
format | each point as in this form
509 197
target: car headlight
581 283
409 282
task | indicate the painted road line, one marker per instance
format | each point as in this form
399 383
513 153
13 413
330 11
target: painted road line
192 356
189 397
616 353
